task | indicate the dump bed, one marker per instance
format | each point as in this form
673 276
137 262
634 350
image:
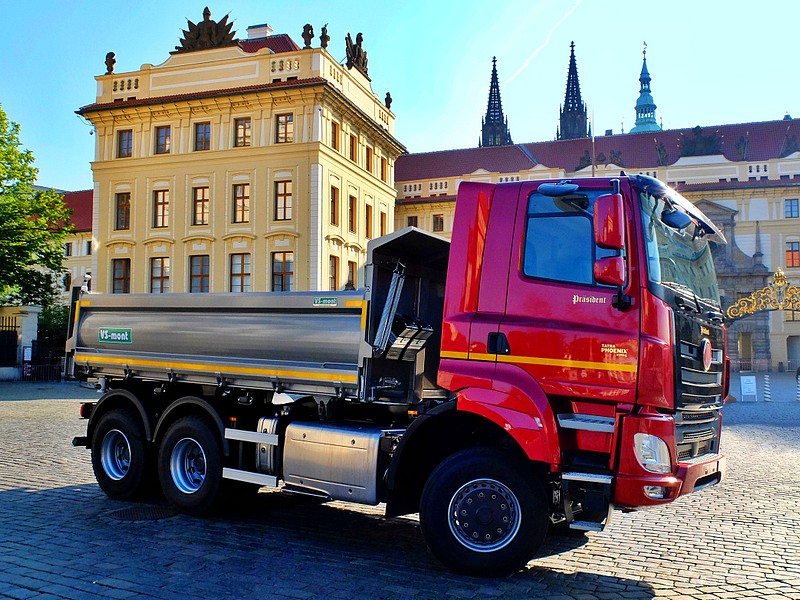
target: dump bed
301 342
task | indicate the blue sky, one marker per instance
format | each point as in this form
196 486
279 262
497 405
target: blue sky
711 61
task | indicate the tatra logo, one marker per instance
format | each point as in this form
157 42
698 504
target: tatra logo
705 347
576 299
613 349
704 330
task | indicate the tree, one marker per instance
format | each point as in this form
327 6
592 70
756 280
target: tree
33 224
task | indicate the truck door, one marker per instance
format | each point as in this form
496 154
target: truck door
570 333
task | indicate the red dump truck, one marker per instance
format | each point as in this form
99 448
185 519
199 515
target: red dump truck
561 356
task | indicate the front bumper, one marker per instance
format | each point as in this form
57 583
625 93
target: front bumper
692 476
637 487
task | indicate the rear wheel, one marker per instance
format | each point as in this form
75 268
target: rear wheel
119 454
483 512
190 465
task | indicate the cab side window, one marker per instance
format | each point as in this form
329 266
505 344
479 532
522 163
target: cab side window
559 240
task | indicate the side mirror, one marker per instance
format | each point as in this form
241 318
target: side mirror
609 222
677 219
610 270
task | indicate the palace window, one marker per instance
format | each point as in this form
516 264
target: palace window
125 143
284 128
368 163
791 208
283 200
334 206
793 254
68 249
353 148
383 169
242 129
121 276
352 213
412 221
333 268
240 273
161 208
368 221
383 223
159 275
241 203
334 135
162 139
200 206
282 271
438 222
202 136
198 273
352 274
122 211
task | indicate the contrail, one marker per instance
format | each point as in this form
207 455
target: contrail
546 41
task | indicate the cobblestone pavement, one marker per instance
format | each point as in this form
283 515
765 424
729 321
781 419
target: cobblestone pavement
60 537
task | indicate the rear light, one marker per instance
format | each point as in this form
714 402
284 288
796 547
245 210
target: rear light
86 410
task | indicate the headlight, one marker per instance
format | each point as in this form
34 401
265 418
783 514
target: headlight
652 453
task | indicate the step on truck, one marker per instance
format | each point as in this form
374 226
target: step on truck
562 355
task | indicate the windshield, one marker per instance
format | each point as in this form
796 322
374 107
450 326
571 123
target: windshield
680 260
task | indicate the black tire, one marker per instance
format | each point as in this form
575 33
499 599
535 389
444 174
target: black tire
190 466
483 512
120 455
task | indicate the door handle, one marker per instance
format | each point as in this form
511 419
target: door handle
498 344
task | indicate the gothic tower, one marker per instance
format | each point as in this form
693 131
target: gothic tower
573 114
645 107
494 127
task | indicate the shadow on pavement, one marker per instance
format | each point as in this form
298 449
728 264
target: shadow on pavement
272 542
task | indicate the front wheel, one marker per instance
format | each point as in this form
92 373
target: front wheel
483 512
190 465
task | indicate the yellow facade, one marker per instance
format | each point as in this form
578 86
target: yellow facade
221 161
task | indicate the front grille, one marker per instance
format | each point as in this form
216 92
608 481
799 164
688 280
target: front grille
698 391
689 451
698 434
699 417
698 388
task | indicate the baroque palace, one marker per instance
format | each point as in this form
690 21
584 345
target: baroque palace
239 165
262 165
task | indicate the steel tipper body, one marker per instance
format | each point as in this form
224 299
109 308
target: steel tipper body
564 355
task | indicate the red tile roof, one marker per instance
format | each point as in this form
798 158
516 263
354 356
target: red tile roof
81 205
277 43
760 141
295 83
451 163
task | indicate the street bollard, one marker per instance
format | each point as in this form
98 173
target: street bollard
767 389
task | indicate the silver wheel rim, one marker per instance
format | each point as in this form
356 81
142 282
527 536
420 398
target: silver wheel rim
188 466
115 454
484 515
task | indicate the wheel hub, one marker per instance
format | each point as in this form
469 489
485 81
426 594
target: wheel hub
115 454
484 515
188 466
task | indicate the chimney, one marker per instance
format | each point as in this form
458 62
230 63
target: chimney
257 32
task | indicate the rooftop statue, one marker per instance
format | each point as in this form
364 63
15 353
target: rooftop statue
207 34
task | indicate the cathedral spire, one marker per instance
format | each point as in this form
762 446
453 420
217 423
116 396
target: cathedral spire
573 119
645 107
494 126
